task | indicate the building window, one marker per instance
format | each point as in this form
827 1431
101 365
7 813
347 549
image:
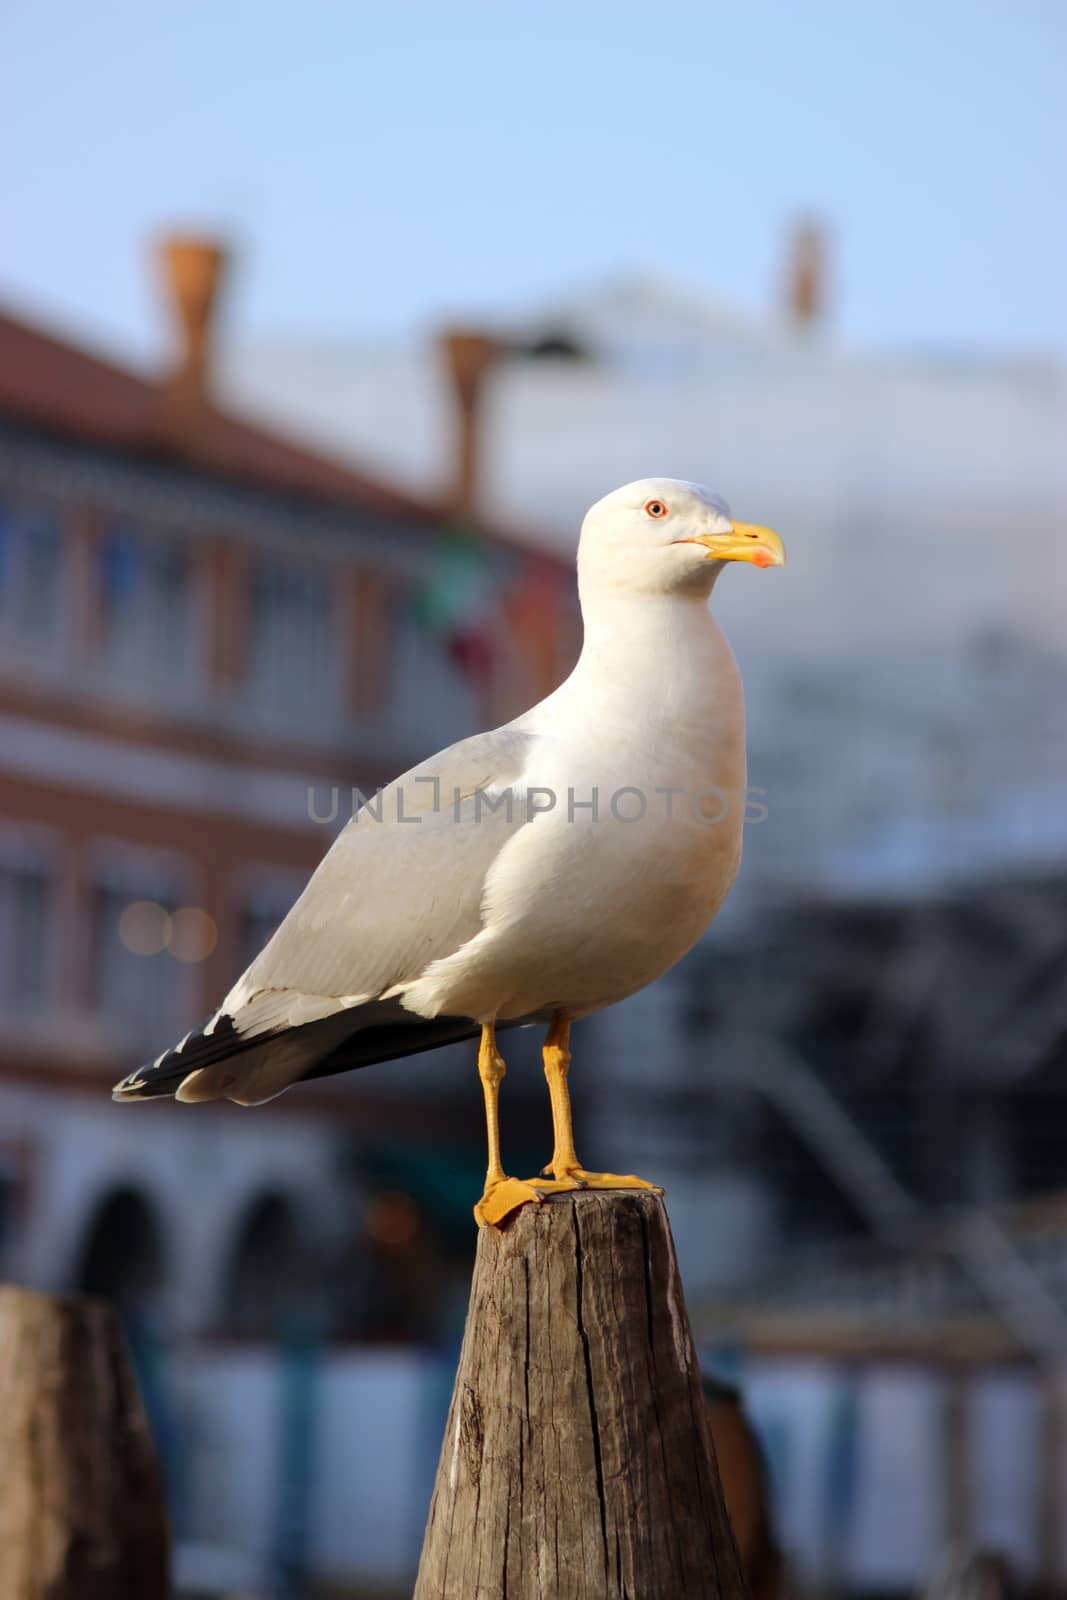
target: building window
30 547
432 695
291 658
261 897
136 982
145 612
260 914
25 895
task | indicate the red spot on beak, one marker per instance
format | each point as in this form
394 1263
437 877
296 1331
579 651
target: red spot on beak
763 558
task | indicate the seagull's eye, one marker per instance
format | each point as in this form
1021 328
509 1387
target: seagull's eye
655 508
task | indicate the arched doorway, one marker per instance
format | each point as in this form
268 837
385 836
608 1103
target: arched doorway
270 1281
122 1256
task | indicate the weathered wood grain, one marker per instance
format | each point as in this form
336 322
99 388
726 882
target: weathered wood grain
81 1507
577 1462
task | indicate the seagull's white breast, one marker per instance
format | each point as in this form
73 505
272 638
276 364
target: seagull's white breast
640 757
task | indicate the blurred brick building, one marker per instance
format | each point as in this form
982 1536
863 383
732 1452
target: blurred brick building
209 636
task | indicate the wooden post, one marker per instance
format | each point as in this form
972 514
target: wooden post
577 1463
81 1508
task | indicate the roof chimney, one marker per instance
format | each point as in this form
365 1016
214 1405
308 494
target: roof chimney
807 273
469 355
193 268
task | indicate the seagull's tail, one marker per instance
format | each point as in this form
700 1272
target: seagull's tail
217 1062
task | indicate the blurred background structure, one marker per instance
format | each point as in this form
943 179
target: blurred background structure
252 565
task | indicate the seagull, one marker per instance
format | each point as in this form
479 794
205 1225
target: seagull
533 874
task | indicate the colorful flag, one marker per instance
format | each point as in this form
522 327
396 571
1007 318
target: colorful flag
457 602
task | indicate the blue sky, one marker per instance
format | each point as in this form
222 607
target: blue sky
382 166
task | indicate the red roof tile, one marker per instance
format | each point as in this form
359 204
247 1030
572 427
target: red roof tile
49 383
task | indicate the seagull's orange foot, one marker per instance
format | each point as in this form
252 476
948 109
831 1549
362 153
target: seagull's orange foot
564 1178
503 1196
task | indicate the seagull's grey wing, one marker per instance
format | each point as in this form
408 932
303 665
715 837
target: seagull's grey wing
400 887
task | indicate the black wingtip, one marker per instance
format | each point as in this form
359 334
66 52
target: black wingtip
215 1040
139 1085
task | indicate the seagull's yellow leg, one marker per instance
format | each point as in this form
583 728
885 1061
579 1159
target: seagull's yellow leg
565 1167
557 1058
502 1194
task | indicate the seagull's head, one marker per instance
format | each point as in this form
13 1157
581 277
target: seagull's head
663 534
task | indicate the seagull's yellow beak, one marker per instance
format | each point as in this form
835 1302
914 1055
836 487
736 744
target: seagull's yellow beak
745 542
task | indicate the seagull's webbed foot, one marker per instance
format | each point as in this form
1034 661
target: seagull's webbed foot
569 1177
502 1196
565 1172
